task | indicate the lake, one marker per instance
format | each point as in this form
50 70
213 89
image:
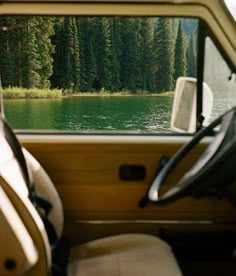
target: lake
90 113
149 114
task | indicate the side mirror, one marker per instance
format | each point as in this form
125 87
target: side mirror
183 118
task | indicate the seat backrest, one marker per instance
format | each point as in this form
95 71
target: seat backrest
28 189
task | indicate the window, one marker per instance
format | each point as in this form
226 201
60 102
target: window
94 73
220 79
231 5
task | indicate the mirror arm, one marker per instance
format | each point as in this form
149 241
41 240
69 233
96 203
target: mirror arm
200 67
200 120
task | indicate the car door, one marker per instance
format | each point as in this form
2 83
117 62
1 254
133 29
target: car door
101 174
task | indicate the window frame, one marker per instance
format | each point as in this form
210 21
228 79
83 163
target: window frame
197 10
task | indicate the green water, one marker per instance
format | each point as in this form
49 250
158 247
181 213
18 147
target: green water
139 113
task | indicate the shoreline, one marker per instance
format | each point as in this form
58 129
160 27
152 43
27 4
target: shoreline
119 94
34 93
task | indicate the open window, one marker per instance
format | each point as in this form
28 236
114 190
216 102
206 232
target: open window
94 74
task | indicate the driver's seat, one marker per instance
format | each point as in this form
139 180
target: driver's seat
128 254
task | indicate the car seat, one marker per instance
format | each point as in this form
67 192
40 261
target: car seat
31 215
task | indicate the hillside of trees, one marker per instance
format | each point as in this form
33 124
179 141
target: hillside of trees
81 54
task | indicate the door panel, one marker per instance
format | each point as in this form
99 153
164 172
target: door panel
98 203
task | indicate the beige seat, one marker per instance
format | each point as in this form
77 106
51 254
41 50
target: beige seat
128 254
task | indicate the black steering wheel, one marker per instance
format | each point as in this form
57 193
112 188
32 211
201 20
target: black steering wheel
212 173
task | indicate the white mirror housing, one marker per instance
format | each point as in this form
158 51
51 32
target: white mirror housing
183 118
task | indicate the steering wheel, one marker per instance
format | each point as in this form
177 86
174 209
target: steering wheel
211 174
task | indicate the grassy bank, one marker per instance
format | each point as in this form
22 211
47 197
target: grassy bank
36 93
114 94
32 93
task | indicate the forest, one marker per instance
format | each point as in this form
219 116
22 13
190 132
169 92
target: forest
92 54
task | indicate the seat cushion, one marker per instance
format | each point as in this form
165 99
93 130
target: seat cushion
129 254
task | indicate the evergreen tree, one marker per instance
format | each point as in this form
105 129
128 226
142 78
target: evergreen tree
68 52
45 30
163 55
130 69
116 54
106 66
91 53
180 53
75 56
30 55
26 60
7 51
88 30
175 26
58 77
191 58
82 28
37 52
146 34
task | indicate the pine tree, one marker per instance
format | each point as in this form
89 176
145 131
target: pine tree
116 54
7 51
88 71
106 61
37 52
44 33
91 53
191 58
68 53
57 78
180 53
130 69
146 34
163 55
75 56
29 59
82 28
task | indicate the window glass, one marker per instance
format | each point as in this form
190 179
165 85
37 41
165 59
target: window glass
220 79
231 5
94 73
